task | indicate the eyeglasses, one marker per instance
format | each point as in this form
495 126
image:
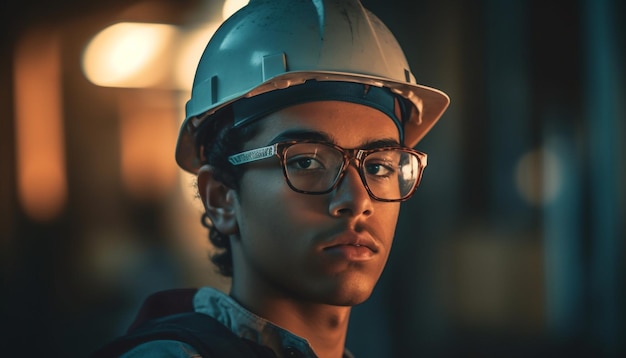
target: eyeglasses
388 173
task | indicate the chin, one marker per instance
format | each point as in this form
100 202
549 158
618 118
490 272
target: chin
347 286
353 301
350 293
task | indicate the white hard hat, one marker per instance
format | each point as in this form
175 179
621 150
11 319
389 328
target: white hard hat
272 45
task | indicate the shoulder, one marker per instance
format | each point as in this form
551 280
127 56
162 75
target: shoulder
162 349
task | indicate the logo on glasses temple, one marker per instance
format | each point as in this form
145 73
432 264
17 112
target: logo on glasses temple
252 155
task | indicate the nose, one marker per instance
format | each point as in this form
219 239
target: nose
350 198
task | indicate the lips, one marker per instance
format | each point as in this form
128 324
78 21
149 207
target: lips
352 246
353 239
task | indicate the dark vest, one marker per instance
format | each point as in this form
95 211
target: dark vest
169 315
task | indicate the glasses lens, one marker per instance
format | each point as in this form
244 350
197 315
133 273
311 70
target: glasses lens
312 167
391 174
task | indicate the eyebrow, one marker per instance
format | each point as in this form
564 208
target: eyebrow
381 143
304 134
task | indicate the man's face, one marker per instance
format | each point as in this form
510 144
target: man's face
328 248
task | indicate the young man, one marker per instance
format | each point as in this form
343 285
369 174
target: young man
300 128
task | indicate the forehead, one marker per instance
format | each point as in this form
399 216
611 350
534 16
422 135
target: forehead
348 125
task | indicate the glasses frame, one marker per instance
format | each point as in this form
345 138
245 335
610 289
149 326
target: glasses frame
349 155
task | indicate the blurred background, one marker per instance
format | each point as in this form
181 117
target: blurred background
512 247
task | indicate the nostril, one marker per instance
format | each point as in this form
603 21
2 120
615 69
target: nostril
344 211
350 209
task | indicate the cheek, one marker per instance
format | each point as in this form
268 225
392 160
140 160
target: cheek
267 204
386 217
276 225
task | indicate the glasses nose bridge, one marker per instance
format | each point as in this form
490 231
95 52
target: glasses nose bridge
353 156
350 156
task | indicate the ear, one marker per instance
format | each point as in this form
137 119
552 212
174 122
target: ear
218 200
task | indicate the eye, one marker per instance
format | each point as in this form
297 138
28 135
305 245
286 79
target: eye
380 170
303 162
382 164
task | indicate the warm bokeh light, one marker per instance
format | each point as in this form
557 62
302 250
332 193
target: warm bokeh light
130 55
188 54
231 6
143 55
148 130
41 174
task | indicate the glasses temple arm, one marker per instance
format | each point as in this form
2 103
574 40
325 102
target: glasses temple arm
253 155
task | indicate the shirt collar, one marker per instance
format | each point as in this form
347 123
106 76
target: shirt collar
246 324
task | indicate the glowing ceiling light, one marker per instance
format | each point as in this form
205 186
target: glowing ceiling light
130 55
231 6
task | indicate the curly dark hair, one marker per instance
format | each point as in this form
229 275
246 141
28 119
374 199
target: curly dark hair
215 140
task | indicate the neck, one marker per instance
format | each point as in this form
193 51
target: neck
323 326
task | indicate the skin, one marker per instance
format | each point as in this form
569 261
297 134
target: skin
288 265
